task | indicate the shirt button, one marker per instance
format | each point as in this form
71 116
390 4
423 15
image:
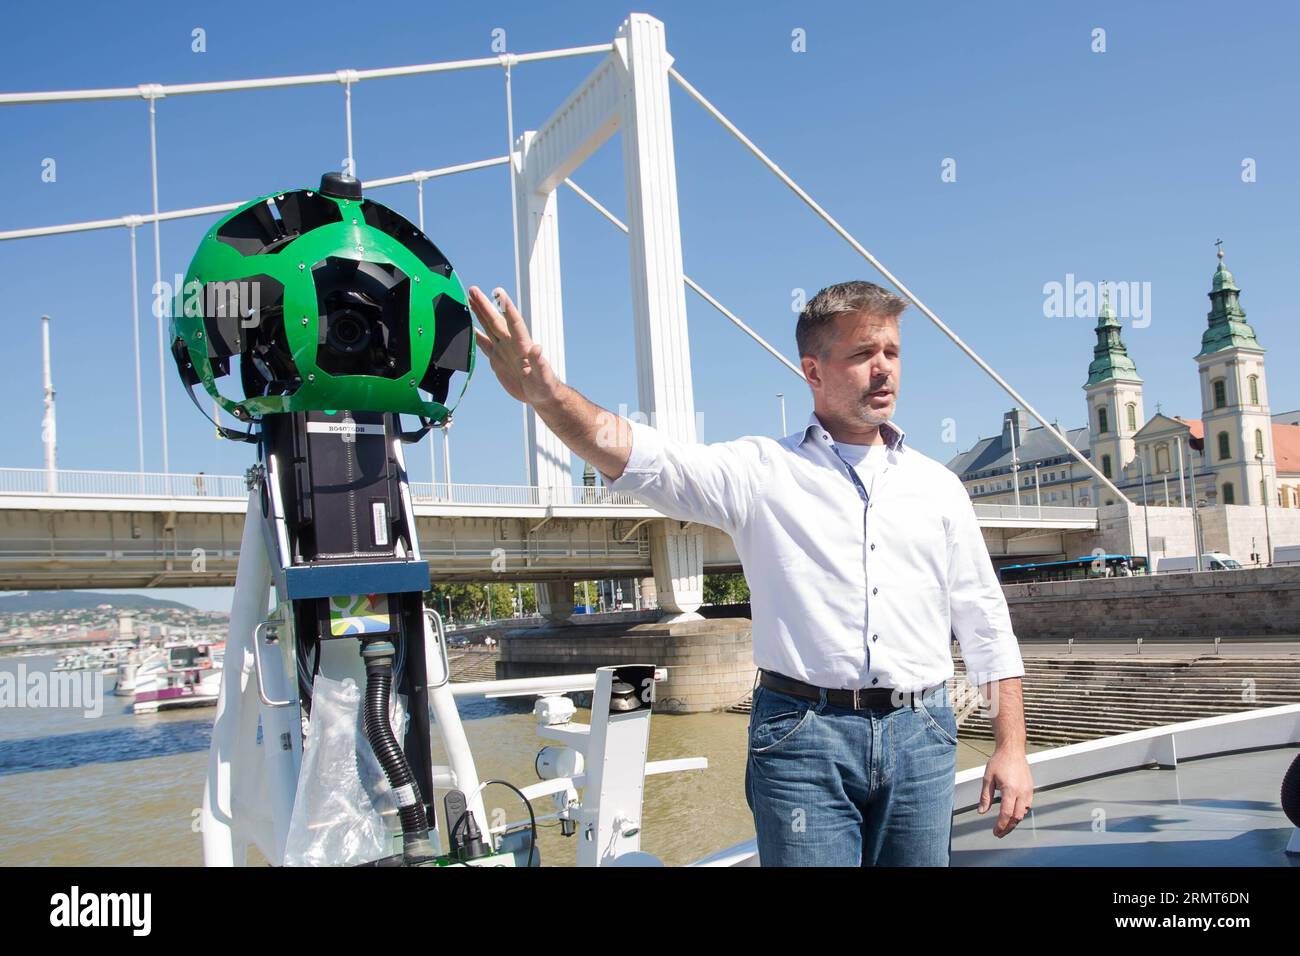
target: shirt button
875 637
874 590
873 546
875 680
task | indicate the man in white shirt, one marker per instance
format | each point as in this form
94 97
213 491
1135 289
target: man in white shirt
863 557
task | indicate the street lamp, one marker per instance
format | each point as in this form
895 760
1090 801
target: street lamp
446 455
1196 505
1263 488
1015 464
1146 512
781 397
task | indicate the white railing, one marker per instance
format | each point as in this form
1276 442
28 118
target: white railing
120 484
1035 512
130 484
124 484
462 494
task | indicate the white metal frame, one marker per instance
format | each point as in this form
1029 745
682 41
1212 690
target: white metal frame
255 757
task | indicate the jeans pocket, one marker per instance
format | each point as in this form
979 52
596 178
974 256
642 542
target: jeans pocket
949 736
775 719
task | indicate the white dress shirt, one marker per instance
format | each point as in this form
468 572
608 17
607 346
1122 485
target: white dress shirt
852 584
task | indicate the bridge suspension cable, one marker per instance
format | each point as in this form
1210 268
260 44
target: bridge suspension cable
889 276
693 285
152 92
132 221
136 219
308 79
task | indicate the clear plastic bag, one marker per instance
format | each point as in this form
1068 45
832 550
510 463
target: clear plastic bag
344 812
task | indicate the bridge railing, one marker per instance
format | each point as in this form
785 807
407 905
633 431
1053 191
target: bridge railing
1035 512
424 492
123 484
120 484
129 484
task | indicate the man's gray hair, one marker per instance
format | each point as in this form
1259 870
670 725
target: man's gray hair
812 334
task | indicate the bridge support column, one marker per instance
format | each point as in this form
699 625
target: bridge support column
663 355
555 600
548 459
647 595
678 560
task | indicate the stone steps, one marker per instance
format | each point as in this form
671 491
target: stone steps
473 665
1070 700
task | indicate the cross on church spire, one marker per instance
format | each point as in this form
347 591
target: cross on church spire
1219 243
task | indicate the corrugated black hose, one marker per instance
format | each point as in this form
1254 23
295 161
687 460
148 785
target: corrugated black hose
378 656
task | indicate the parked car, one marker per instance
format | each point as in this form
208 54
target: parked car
1210 561
1287 554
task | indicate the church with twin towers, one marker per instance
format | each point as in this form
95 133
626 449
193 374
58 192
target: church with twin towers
1237 461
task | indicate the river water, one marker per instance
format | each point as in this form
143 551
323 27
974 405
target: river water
115 789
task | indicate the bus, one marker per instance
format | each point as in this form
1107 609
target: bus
1089 566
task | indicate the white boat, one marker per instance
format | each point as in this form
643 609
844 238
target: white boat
128 664
71 662
182 674
94 658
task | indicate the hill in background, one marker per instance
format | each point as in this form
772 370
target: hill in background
80 601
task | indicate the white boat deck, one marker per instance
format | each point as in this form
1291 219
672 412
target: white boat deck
1213 811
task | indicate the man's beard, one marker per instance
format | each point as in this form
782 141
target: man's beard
873 416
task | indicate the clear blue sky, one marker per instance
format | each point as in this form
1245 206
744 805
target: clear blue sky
1123 165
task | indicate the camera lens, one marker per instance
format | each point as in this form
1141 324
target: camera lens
347 332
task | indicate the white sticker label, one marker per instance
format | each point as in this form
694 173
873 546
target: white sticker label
405 795
346 427
380 514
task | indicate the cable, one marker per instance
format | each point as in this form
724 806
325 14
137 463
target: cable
532 817
157 276
135 325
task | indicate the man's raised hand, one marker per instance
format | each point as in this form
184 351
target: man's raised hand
516 359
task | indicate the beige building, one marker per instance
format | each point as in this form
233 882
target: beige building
1237 454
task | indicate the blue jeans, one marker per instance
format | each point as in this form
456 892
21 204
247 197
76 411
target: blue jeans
830 786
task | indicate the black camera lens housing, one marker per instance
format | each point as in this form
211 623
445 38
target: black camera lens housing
348 332
364 311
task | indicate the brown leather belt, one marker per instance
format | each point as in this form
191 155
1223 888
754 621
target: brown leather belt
872 698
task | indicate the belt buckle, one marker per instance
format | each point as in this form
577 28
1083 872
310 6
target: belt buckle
855 699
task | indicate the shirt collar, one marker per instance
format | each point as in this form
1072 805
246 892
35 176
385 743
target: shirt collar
892 434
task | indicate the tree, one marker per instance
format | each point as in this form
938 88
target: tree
725 589
469 602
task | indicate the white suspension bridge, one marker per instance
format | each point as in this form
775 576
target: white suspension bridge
93 528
